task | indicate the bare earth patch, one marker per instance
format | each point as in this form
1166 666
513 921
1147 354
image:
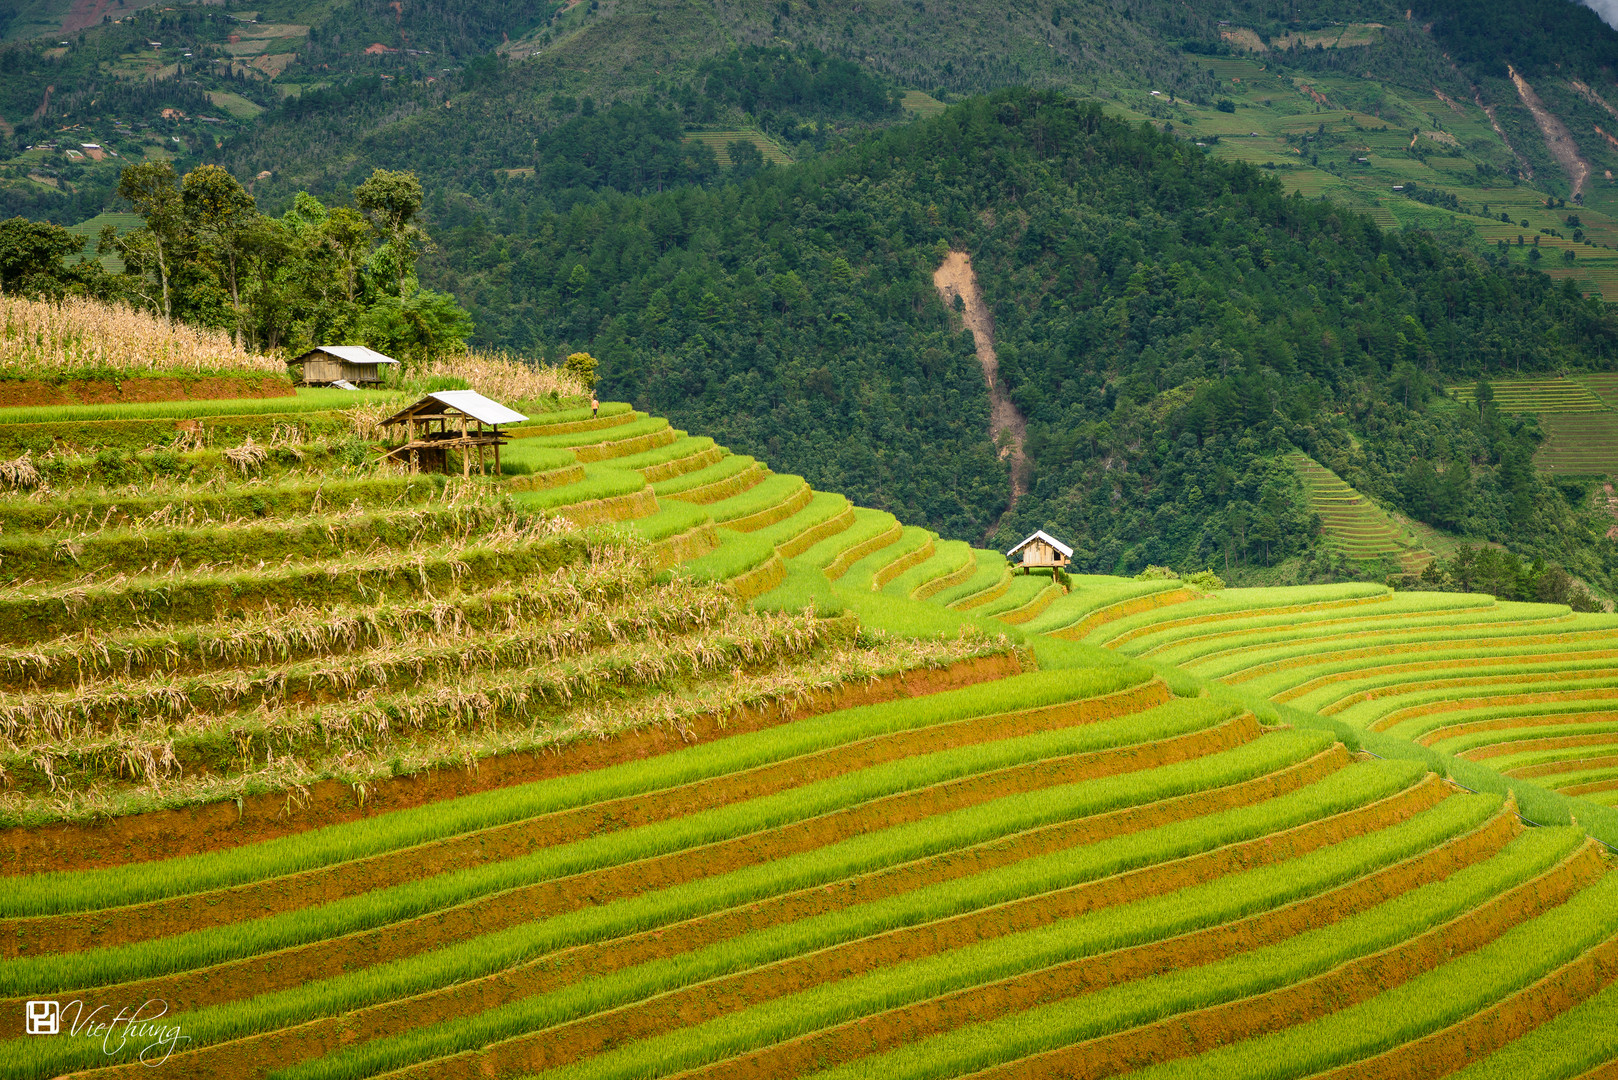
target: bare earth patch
1558 139
1007 427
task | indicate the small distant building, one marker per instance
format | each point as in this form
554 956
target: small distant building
1041 551
326 364
461 420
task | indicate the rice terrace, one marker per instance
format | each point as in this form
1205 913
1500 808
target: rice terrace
634 758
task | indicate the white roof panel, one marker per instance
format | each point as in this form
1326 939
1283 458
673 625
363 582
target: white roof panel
354 354
1041 534
478 407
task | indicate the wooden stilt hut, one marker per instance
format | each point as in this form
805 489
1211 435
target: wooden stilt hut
1041 551
460 420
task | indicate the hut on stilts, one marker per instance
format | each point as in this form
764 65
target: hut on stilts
461 420
1041 551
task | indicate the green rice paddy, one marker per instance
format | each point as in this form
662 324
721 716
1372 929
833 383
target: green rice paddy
1110 834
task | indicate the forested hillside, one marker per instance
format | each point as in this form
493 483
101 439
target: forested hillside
1168 323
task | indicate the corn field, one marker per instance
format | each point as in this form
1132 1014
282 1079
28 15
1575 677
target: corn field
41 339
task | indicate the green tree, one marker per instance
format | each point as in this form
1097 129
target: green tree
391 200
31 254
417 327
582 366
150 188
226 222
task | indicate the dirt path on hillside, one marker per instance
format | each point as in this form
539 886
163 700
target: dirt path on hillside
1558 139
955 278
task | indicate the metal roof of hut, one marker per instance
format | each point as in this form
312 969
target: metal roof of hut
1041 534
444 403
354 354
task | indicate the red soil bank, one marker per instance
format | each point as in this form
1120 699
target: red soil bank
33 392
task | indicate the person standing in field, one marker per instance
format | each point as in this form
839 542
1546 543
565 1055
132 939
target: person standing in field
595 406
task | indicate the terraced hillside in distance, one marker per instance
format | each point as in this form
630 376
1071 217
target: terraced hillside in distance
642 760
719 142
1577 413
1563 395
1356 526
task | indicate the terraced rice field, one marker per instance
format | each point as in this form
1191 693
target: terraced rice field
1527 691
1548 395
1353 524
719 142
899 816
1579 415
1585 444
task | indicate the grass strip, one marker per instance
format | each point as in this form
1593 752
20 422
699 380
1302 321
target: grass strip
305 632
543 420
240 501
684 447
726 468
1565 1046
736 554
396 903
949 557
1432 1000
905 916
1091 593
199 597
772 491
988 569
1023 589
42 558
547 653
1234 652
1229 604
600 482
672 518
917 980
868 526
641 425
40 894
306 399
979 1047
915 846
521 458
861 575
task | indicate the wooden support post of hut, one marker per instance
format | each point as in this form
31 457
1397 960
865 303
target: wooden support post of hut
442 422
1041 551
